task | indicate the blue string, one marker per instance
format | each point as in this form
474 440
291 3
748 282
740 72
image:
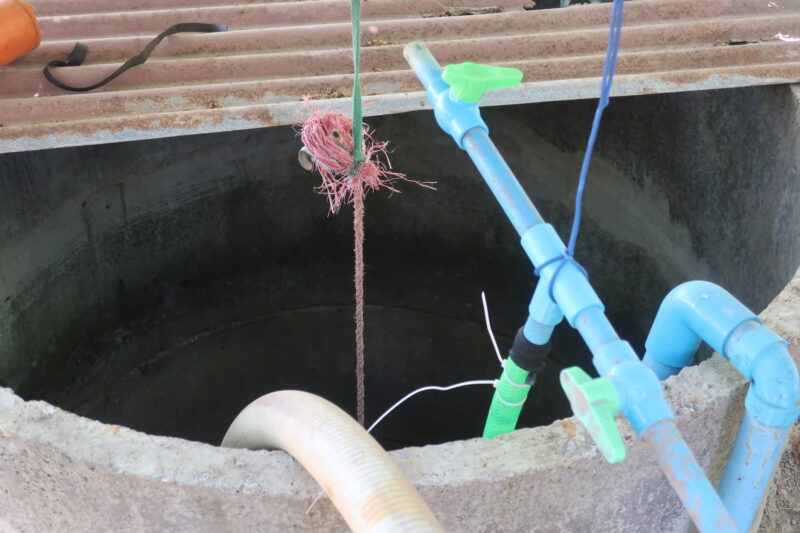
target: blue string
563 260
614 33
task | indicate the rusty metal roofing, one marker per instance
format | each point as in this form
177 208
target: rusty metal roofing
276 53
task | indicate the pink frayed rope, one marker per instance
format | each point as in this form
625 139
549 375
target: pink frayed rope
328 138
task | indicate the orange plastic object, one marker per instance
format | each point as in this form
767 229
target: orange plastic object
19 30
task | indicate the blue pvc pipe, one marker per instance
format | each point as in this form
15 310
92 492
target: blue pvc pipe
688 479
750 466
701 311
641 396
469 131
426 68
502 182
597 332
463 122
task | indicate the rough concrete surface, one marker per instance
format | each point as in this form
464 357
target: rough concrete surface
60 472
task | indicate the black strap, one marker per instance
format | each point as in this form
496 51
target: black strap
79 53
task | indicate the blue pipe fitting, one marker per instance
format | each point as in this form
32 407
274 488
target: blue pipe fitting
571 289
661 370
774 395
762 357
542 243
699 310
691 312
537 332
608 356
457 117
543 316
746 343
641 397
454 116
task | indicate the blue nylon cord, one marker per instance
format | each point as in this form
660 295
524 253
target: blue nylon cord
614 34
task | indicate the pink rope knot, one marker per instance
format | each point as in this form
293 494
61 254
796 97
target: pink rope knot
328 138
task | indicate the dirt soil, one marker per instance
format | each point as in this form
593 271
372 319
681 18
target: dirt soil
782 510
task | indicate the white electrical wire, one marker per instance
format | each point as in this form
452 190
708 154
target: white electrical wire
489 329
406 397
430 387
450 387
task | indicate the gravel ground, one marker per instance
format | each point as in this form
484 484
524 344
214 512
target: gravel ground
782 510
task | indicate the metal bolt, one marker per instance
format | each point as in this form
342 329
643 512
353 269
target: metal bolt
305 159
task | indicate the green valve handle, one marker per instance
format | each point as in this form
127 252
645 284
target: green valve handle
468 81
595 402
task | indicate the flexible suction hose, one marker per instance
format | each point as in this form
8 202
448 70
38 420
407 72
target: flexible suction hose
362 481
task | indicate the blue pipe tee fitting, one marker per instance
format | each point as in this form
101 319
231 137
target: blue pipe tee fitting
543 315
454 116
571 289
641 396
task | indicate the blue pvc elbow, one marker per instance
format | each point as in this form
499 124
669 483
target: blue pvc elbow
774 396
700 310
691 312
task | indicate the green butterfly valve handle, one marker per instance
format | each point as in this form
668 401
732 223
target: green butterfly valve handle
468 81
595 402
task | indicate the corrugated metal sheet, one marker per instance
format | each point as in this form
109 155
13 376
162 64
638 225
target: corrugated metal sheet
278 52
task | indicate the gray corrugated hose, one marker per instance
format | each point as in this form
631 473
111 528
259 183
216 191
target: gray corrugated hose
362 481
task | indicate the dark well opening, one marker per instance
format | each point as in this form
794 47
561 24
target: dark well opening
164 284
